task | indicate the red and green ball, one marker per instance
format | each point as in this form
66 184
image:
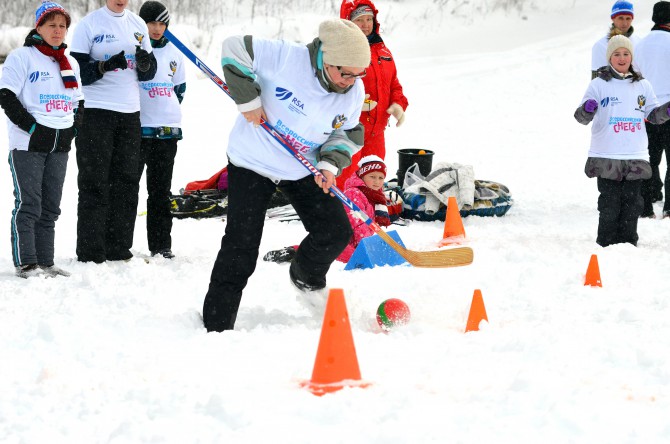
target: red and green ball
392 313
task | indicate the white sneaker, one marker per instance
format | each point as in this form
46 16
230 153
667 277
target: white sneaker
312 297
30 270
54 271
314 300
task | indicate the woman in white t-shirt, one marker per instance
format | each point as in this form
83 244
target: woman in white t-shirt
41 96
618 101
312 95
112 47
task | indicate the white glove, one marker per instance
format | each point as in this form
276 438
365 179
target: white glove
368 105
397 112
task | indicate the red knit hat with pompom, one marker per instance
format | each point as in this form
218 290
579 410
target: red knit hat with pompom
371 164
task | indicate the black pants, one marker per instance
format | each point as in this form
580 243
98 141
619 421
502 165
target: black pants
620 206
108 149
158 156
324 219
659 142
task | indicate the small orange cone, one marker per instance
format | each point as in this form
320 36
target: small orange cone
477 312
336 364
453 224
593 273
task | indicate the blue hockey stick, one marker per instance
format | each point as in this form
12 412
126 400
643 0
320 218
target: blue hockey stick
433 259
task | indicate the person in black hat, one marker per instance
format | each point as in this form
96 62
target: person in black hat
653 58
160 116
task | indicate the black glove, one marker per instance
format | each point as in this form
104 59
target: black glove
117 61
42 140
142 59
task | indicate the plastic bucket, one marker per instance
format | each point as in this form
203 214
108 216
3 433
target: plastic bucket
409 156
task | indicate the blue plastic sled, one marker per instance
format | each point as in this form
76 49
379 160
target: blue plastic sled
373 251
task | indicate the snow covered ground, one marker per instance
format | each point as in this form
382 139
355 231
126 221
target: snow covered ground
117 352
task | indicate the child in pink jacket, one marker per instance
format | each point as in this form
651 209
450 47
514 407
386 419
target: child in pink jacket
365 189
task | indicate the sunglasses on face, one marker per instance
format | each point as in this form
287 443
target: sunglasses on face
348 75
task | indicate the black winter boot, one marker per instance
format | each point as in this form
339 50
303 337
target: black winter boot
280 256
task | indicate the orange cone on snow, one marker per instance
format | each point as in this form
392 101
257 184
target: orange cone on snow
593 273
453 224
336 364
477 312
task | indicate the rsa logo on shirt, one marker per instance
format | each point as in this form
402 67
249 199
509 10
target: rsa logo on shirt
107 38
294 104
609 101
39 75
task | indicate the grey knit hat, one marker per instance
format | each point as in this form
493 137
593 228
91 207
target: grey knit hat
344 44
361 10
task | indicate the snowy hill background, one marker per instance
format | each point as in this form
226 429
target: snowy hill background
117 352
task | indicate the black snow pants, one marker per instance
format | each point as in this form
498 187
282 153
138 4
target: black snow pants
108 148
322 215
620 205
158 156
659 143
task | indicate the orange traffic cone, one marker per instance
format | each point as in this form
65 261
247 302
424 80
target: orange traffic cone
593 273
454 232
477 312
336 364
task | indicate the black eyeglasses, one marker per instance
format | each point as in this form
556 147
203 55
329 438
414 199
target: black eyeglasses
348 75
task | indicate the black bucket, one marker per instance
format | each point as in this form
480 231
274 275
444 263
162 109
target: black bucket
409 156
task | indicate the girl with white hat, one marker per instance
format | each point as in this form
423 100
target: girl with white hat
618 101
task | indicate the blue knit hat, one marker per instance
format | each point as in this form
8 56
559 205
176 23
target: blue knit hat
48 7
622 7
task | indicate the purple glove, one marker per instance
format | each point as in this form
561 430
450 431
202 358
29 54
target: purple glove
590 106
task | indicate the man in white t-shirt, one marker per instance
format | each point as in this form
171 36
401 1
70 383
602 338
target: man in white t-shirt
653 57
622 16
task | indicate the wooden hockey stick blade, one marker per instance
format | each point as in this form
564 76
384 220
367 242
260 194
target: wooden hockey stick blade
454 257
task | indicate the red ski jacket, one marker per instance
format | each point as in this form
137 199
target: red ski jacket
382 83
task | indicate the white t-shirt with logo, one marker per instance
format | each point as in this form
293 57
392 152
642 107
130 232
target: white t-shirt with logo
653 57
618 130
102 34
159 103
37 82
297 106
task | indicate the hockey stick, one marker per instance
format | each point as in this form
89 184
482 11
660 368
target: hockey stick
432 259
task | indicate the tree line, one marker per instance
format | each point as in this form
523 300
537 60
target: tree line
208 13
